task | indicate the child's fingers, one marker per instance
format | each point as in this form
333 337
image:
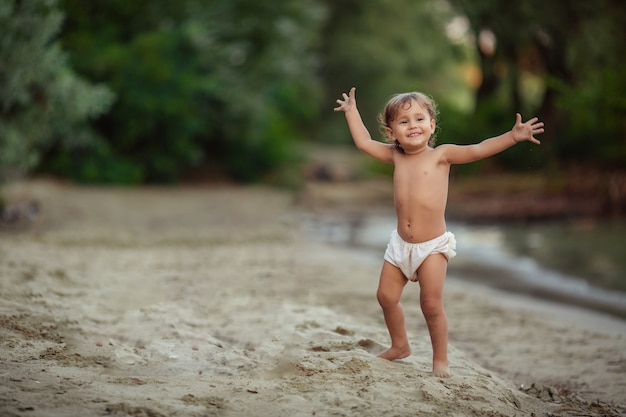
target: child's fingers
347 100
342 103
533 121
352 93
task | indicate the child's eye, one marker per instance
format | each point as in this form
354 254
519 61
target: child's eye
419 119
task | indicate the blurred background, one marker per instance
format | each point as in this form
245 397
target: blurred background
240 91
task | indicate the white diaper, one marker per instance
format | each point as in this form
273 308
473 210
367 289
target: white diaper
409 256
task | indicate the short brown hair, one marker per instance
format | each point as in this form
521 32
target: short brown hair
398 101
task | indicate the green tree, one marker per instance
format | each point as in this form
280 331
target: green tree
387 47
215 84
561 59
261 59
43 102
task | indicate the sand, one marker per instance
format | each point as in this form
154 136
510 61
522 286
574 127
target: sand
210 301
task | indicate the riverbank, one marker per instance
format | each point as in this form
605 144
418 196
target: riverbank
210 301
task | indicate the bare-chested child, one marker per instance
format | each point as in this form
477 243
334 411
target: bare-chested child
421 245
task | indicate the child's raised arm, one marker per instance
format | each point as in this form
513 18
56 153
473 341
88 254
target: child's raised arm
360 134
462 154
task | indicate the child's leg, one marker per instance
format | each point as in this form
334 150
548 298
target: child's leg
432 274
390 287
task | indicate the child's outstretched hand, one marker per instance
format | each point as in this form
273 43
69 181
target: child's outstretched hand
526 131
348 103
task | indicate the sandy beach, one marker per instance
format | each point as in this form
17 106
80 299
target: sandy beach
211 301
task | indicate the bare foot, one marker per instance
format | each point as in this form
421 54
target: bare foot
394 353
441 370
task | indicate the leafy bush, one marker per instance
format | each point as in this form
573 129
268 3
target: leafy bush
213 85
43 104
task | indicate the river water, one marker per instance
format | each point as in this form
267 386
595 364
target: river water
582 264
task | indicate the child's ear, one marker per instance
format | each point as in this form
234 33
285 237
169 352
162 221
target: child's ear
389 133
433 124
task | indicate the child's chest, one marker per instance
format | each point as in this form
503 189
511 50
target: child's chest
419 169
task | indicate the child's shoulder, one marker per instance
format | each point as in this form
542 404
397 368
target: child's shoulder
438 153
444 147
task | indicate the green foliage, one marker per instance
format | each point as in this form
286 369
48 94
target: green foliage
235 85
43 103
266 91
573 50
595 111
218 84
95 163
383 48
592 105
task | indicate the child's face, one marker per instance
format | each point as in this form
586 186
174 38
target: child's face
412 127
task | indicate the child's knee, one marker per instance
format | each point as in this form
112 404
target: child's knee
432 307
385 299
